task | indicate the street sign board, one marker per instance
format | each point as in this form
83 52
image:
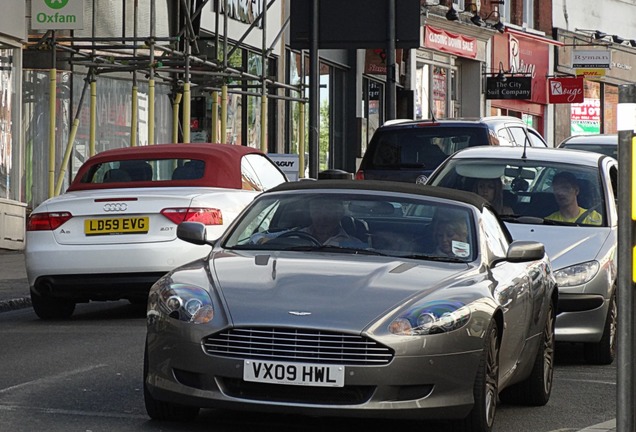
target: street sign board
591 59
565 90
510 88
57 14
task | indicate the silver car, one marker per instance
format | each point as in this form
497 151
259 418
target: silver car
387 313
582 251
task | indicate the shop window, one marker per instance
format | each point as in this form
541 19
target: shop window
10 169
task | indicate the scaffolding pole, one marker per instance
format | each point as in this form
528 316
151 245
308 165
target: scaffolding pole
102 55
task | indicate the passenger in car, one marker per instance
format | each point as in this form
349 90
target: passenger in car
566 189
491 189
450 234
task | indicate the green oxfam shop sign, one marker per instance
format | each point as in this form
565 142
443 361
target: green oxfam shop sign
57 14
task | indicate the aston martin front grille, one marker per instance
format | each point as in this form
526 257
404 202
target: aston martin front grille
297 345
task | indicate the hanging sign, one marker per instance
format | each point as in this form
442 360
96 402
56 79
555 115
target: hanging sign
565 90
591 59
510 88
590 73
57 14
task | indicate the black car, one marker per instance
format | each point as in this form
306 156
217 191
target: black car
606 144
409 150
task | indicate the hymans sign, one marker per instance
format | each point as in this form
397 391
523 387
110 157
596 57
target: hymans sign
57 14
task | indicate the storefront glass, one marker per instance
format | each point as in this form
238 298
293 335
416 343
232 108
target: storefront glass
610 105
440 91
326 108
10 169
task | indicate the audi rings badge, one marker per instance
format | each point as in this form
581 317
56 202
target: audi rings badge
115 207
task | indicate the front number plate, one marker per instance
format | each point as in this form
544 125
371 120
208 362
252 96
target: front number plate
127 225
305 374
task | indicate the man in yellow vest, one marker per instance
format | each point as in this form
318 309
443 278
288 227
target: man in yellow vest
566 190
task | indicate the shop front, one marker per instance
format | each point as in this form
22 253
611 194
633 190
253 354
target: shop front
447 70
609 65
13 188
517 54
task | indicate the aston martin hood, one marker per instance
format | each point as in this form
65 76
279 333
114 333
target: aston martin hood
564 245
328 291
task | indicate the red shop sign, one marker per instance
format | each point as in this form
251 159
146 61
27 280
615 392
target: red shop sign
453 43
565 90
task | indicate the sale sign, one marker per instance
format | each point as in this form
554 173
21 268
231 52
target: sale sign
585 118
565 90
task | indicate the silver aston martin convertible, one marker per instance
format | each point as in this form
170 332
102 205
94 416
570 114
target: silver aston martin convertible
348 298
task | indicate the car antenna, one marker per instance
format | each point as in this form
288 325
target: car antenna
525 145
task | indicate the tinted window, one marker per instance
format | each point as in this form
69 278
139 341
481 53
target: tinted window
144 170
609 150
422 147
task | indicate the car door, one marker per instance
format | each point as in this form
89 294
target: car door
512 291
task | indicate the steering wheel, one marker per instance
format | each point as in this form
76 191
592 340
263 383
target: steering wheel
302 235
586 213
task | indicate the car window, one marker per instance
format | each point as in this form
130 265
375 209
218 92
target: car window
609 150
518 135
535 139
424 147
146 170
528 186
268 174
424 227
504 137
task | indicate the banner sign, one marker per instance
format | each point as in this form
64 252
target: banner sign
591 73
591 59
453 43
57 14
511 88
565 90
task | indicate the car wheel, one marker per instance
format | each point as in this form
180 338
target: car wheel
604 351
536 389
162 410
486 389
47 307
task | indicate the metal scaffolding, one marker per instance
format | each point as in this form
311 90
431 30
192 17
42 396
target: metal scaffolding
169 59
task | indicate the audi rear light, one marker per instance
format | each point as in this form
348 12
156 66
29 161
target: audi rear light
47 221
207 216
360 175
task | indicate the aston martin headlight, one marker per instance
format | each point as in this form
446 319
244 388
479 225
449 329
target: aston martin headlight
182 302
432 317
577 274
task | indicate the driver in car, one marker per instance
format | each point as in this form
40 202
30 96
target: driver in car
566 190
326 214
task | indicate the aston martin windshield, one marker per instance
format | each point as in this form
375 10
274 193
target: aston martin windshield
423 228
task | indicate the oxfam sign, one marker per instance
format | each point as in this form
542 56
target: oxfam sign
57 14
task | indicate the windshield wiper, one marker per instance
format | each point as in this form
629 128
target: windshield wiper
434 258
334 248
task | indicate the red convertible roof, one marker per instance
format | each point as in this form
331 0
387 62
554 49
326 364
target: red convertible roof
223 164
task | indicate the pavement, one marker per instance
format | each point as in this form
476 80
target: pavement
14 287
14 294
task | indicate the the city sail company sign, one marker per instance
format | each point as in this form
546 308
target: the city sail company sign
57 14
